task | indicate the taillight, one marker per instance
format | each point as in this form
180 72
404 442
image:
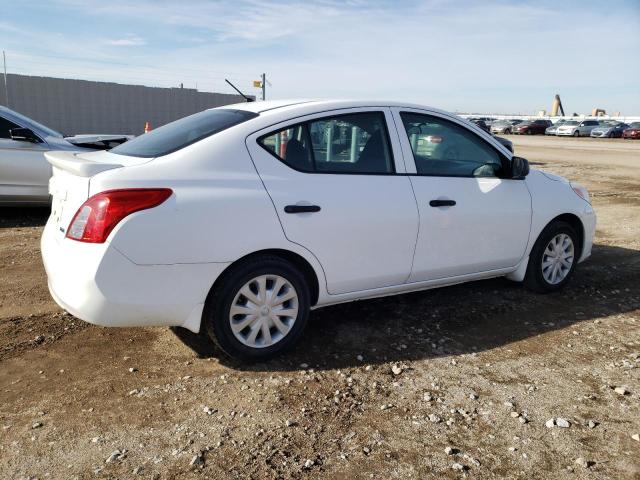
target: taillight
98 216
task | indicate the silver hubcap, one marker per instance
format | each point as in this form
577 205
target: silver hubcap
557 259
264 311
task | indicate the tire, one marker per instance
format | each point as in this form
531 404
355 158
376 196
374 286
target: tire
576 133
535 279
217 318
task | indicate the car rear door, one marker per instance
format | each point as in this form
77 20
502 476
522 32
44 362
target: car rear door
471 221
337 183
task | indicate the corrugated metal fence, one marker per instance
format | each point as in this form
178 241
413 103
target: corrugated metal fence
81 106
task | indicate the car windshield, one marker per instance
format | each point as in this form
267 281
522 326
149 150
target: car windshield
634 125
571 122
181 133
31 122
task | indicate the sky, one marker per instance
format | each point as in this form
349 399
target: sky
465 56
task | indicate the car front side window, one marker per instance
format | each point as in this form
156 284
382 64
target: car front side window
5 126
443 148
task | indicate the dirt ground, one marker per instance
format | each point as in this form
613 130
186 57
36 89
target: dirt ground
478 369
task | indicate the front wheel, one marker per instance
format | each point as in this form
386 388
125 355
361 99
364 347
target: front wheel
259 310
576 133
553 258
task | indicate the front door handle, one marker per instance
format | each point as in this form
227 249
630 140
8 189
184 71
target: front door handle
301 208
442 203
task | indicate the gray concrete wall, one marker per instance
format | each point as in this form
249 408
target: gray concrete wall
81 106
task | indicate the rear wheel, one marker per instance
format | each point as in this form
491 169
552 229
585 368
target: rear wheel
258 310
553 258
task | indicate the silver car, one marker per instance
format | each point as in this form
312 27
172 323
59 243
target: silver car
553 128
576 128
501 126
24 172
611 129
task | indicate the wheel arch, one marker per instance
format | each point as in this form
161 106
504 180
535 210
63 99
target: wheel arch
294 258
577 225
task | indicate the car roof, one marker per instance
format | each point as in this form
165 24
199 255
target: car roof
272 112
291 105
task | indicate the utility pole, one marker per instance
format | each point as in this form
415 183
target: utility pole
6 88
264 86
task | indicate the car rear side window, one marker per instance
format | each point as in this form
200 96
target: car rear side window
355 143
444 148
181 133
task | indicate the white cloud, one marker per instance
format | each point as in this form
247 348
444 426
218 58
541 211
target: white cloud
128 41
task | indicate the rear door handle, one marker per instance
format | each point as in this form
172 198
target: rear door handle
442 203
301 209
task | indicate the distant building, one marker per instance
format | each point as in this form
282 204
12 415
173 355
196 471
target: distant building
81 106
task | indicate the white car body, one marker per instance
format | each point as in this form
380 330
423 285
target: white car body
375 235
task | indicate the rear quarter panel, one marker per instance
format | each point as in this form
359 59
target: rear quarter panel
219 209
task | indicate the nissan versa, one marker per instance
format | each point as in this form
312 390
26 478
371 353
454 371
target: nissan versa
240 219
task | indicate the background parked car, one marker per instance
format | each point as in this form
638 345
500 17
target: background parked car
553 128
609 129
633 131
532 127
501 126
24 172
576 128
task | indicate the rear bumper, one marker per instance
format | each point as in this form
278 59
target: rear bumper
98 284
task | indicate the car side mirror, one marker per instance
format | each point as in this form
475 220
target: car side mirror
519 168
24 135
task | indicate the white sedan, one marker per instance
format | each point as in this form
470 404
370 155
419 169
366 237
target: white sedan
240 219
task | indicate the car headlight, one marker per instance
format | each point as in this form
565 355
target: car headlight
581 192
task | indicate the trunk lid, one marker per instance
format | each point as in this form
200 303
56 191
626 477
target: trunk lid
72 173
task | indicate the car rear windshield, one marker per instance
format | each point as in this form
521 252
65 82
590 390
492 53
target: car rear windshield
181 133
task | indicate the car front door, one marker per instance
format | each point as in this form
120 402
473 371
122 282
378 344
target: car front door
24 172
471 219
337 183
